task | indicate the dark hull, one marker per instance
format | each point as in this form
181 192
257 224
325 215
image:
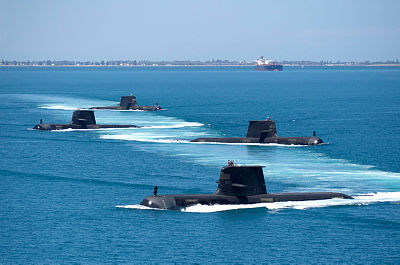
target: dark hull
144 108
178 202
130 103
51 127
272 67
263 132
276 140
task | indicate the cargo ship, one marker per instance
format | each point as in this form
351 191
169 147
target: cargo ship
267 65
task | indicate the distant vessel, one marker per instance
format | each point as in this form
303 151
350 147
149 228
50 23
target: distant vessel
236 185
267 65
130 103
81 119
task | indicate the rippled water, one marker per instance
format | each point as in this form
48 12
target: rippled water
73 196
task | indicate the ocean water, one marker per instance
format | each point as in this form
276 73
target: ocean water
73 196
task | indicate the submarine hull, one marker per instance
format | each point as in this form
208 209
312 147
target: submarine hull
263 132
236 185
276 140
144 108
81 119
130 103
52 126
178 202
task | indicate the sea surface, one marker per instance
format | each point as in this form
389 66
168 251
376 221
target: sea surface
73 196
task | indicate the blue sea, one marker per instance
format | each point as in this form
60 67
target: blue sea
73 196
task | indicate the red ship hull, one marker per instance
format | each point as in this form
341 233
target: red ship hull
270 67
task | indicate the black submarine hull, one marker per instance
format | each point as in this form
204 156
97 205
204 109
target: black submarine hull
236 185
263 132
275 140
179 202
53 126
143 108
129 103
81 119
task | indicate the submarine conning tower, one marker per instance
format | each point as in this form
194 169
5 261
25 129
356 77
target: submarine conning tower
83 117
128 101
261 129
241 181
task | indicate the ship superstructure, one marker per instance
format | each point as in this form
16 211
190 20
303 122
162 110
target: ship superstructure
267 65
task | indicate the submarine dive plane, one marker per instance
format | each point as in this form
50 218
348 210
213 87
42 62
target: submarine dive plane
263 132
81 119
236 185
130 103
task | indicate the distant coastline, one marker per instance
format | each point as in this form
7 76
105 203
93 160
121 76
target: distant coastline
192 65
188 63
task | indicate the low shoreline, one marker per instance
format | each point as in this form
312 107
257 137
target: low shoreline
201 65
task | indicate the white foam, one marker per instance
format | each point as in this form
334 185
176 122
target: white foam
66 103
58 107
178 125
139 138
128 110
161 130
137 207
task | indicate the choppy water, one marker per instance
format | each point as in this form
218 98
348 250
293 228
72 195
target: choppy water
73 196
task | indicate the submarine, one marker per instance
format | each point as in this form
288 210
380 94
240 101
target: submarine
236 185
263 132
130 103
81 119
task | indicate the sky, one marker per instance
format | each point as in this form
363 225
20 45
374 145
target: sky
316 30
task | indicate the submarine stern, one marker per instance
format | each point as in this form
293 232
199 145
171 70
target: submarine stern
307 196
293 140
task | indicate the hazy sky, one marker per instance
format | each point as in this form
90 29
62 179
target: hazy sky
200 30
